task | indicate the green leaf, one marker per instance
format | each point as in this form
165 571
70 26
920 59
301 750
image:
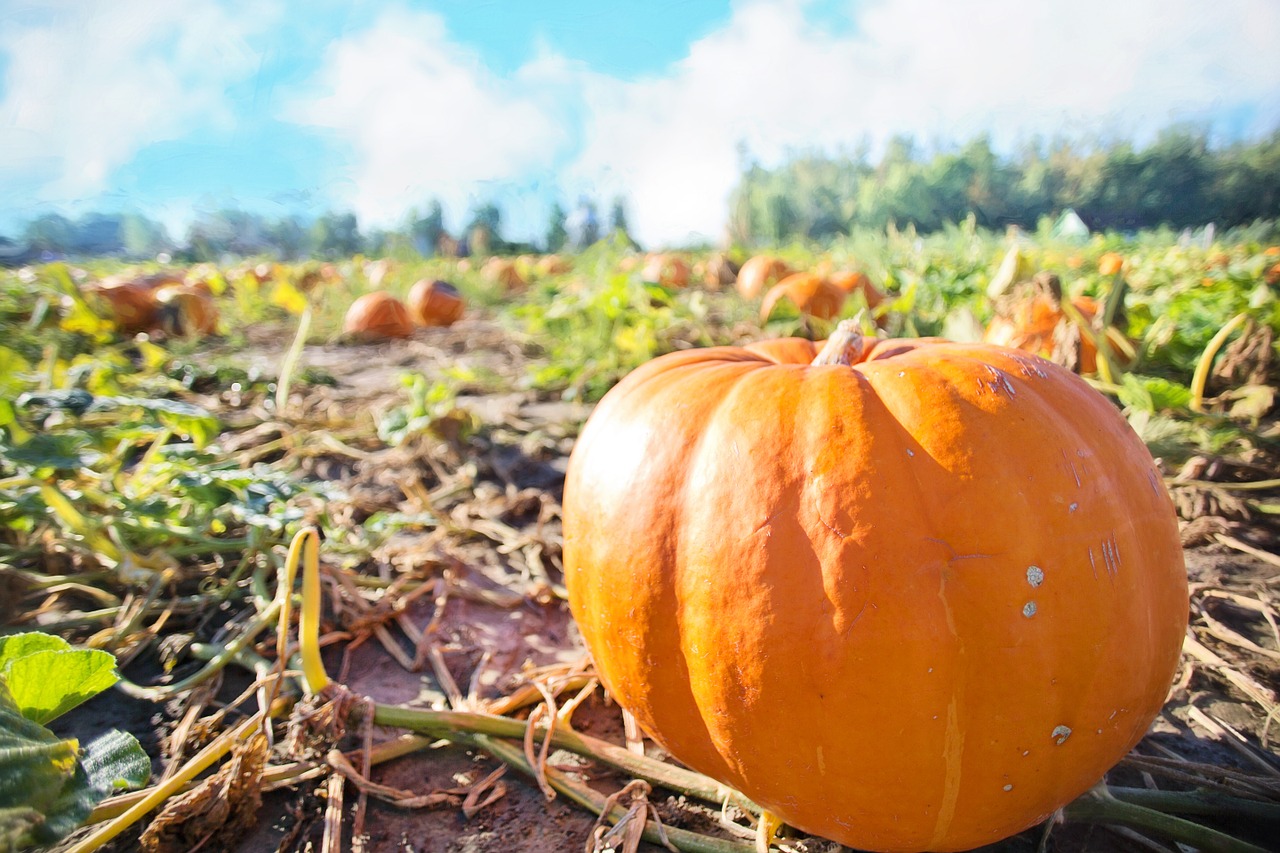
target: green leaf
15 646
36 767
47 682
116 762
46 789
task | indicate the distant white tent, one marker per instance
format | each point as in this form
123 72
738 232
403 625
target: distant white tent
1070 226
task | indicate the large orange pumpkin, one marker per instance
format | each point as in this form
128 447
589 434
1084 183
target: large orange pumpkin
434 303
760 273
811 293
378 315
916 596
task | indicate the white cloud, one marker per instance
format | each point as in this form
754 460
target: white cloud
424 118
88 84
941 71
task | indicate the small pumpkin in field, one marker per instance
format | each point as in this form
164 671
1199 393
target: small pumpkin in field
666 270
377 315
759 274
503 271
852 281
1032 319
130 304
186 309
552 265
1110 263
434 303
905 595
717 272
813 294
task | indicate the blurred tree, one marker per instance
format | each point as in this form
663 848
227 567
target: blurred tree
142 238
336 235
425 231
50 232
583 225
557 236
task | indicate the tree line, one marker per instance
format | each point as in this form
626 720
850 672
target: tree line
1178 180
214 235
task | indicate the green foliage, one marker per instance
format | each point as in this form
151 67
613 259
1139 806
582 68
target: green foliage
431 408
48 785
1176 180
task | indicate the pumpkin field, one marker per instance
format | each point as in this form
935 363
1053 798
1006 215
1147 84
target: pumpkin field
293 555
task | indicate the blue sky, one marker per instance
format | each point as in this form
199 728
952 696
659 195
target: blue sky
284 106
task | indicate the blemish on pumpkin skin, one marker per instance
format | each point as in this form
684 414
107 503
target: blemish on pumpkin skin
1073 507
1035 575
1029 609
1060 735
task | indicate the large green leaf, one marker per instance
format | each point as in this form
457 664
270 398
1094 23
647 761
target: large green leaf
36 767
45 677
47 788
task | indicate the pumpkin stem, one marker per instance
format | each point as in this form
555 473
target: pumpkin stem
844 346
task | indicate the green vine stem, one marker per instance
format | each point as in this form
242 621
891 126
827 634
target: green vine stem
1198 803
1101 806
449 724
683 839
290 363
1200 378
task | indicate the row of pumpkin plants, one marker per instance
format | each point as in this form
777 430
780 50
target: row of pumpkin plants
1065 306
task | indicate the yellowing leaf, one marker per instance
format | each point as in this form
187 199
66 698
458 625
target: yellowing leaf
288 297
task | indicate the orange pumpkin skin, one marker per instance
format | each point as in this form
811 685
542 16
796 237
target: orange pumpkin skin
186 309
1032 325
503 272
378 315
858 282
434 303
916 603
811 293
760 273
130 304
1110 263
666 270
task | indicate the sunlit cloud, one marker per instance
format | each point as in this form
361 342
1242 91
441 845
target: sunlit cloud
425 118
86 85
770 83
409 113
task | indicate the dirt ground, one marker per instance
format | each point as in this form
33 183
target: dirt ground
501 614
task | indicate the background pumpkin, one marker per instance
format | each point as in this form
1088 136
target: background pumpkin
434 303
759 274
811 293
666 270
1032 319
131 305
186 309
378 315
918 602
